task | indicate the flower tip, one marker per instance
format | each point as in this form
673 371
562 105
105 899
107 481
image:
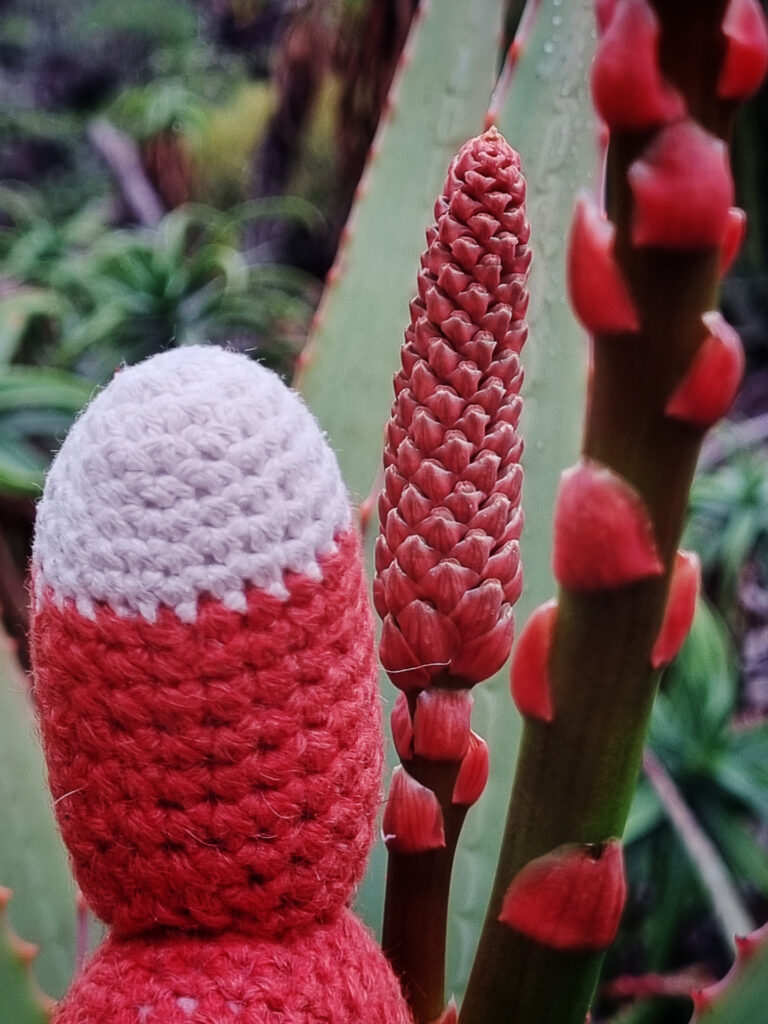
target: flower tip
604 11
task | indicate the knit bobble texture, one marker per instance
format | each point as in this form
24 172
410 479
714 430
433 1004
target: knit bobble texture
196 472
213 767
335 973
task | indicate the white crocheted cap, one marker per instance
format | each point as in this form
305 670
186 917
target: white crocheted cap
195 472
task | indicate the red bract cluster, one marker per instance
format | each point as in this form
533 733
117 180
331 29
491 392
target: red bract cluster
447 559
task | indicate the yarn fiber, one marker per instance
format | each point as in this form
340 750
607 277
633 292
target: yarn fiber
205 677
195 472
223 773
333 973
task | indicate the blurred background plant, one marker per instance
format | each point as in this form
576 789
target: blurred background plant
167 177
182 172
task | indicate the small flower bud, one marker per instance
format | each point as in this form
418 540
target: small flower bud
531 690
603 535
413 821
449 1015
473 773
570 899
746 50
402 728
599 294
441 724
709 387
683 189
629 91
681 605
733 238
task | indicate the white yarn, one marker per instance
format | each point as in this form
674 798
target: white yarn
192 473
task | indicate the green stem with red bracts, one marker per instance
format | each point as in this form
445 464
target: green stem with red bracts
576 775
416 910
417 892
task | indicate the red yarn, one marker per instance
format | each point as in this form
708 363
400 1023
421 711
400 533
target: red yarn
331 973
223 774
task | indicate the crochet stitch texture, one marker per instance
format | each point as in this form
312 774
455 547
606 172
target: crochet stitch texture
196 472
206 682
331 973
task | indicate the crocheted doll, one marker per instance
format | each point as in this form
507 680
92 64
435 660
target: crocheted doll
206 683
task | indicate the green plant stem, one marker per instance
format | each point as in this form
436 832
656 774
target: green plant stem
416 913
575 778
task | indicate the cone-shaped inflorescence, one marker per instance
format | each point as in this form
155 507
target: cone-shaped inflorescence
447 559
643 281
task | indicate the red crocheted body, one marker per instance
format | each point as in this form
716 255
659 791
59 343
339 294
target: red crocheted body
222 774
334 974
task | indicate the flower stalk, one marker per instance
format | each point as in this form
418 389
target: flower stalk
644 284
447 558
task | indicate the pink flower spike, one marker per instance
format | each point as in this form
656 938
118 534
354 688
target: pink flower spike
603 536
604 11
570 899
447 559
441 724
735 230
413 821
681 605
473 773
683 189
599 294
531 690
402 728
709 387
628 88
746 50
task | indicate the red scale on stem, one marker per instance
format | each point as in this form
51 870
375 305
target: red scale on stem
629 90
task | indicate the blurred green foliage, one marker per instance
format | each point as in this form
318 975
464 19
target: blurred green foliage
80 298
721 771
728 521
